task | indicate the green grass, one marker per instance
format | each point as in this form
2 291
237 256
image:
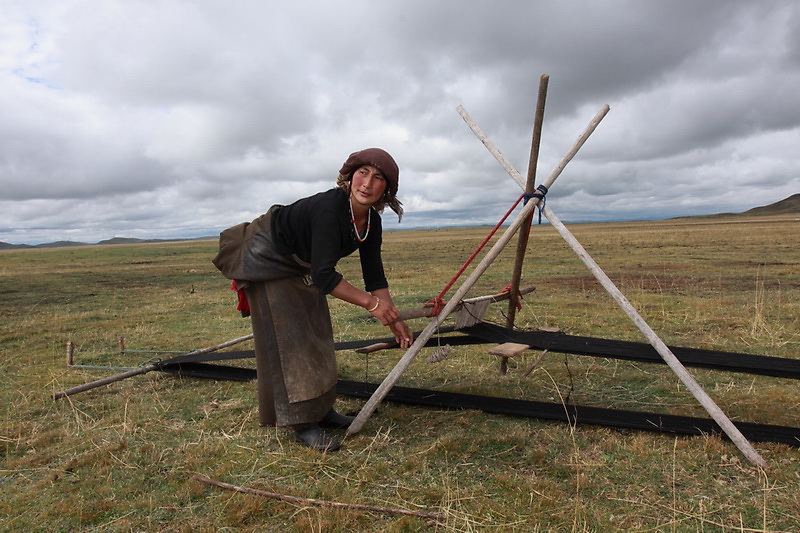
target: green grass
121 457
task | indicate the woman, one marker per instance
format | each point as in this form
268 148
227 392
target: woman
285 264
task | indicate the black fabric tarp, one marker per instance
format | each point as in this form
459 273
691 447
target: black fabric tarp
573 414
483 333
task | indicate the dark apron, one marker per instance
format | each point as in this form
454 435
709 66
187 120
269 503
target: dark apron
295 354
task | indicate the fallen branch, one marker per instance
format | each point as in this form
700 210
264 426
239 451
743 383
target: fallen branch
311 501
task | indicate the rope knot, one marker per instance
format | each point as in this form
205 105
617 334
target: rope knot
507 290
437 304
539 193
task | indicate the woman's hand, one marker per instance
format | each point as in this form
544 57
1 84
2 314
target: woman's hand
402 334
389 315
380 305
384 310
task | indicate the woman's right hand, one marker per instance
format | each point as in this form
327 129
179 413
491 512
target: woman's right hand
385 311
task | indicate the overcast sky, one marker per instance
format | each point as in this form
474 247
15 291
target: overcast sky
181 118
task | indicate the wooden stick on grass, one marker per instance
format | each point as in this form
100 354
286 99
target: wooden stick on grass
652 337
311 501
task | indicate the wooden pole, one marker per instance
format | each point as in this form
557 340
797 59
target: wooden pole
405 361
425 311
530 187
561 164
143 369
697 391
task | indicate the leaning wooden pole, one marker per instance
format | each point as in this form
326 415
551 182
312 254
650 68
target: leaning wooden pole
405 361
530 187
419 343
144 369
666 354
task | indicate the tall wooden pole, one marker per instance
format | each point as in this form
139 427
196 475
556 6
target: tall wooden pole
530 187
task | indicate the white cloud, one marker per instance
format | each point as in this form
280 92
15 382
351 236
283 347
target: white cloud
180 118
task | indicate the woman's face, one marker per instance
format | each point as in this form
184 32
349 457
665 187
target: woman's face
367 186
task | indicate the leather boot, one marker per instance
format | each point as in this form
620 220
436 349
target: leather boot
334 420
315 438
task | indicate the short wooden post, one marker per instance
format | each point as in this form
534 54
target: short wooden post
506 350
121 344
70 353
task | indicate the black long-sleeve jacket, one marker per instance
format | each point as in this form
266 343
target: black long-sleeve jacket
318 230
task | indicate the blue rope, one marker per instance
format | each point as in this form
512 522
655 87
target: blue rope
540 193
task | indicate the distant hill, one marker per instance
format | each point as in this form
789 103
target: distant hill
129 240
59 244
787 206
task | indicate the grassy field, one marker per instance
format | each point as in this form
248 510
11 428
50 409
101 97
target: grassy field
122 457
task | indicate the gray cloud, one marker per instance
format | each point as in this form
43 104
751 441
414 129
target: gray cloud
178 119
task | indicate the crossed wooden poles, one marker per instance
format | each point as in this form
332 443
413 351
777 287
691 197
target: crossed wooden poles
525 217
521 222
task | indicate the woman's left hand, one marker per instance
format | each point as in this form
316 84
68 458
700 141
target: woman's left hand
402 334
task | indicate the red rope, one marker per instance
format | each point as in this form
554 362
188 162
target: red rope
438 302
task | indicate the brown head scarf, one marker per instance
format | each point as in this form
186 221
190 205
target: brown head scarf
386 164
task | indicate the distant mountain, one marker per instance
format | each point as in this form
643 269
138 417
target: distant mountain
59 244
115 240
787 206
7 246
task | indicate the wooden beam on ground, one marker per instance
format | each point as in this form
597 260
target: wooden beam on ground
144 369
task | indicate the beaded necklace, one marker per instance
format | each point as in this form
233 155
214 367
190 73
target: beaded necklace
355 226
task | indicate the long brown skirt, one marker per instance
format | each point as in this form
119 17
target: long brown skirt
295 354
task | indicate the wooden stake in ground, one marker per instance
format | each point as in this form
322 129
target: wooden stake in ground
401 366
672 361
